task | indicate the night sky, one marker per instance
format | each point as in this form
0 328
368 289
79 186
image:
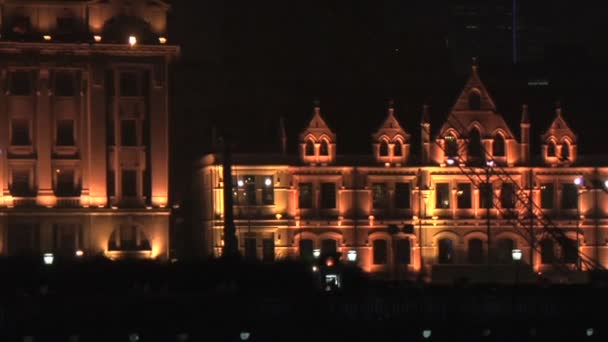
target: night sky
245 64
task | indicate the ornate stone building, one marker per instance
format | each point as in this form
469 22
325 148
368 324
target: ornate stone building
478 195
84 115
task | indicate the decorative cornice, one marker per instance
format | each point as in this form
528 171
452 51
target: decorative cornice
87 49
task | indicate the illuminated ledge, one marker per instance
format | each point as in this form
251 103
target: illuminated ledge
86 49
116 255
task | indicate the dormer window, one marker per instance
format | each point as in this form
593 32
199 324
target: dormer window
310 148
398 151
474 101
551 149
498 149
451 146
383 148
565 150
324 148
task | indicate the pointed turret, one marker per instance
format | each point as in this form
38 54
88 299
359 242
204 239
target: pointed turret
425 135
559 141
391 142
317 141
524 126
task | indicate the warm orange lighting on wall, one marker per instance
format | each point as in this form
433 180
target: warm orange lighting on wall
97 38
162 40
278 216
132 40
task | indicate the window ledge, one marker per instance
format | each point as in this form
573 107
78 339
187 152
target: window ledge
21 149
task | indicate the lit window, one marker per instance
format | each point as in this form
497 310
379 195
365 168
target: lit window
442 196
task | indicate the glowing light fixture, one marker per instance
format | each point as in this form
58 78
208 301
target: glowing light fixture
48 258
245 335
589 332
490 163
240 182
329 262
132 40
134 337
315 269
278 216
162 40
387 164
47 37
316 253
352 255
578 180
450 161
268 182
606 184
79 253
426 333
97 38
516 254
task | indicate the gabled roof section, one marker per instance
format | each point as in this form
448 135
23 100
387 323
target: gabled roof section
559 128
391 126
317 126
474 85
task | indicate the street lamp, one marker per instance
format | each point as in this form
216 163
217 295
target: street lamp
316 253
352 255
516 254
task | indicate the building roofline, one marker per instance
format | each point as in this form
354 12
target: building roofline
92 48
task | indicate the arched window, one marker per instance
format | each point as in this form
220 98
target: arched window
475 251
380 252
475 148
398 151
547 253
565 151
383 148
504 251
451 146
474 101
498 149
324 149
446 251
309 149
551 149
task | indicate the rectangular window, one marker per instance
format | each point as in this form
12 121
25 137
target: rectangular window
128 84
329 247
65 239
128 132
250 249
380 252
129 183
250 193
64 83
65 132
379 196
486 196
306 247
305 195
508 196
110 136
546 195
268 191
463 195
20 132
64 185
23 239
328 195
442 198
111 183
569 196
268 250
402 251
20 183
21 83
402 195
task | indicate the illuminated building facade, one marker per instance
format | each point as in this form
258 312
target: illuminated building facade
84 142
404 217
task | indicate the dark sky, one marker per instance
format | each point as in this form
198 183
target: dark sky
245 64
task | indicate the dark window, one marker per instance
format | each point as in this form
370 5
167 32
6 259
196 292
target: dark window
111 183
250 249
383 148
569 196
309 148
20 132
250 193
21 26
64 83
305 195
67 26
570 251
486 195
329 247
268 191
20 184
508 195
128 133
324 148
463 193
23 239
306 248
109 83
546 196
446 251
504 251
328 195
21 83
551 149
442 198
474 101
475 147
380 252
451 146
379 195
129 183
402 195
65 239
402 251
65 132
547 253
475 255
498 148
268 250
110 136
65 185
398 151
565 151
128 84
